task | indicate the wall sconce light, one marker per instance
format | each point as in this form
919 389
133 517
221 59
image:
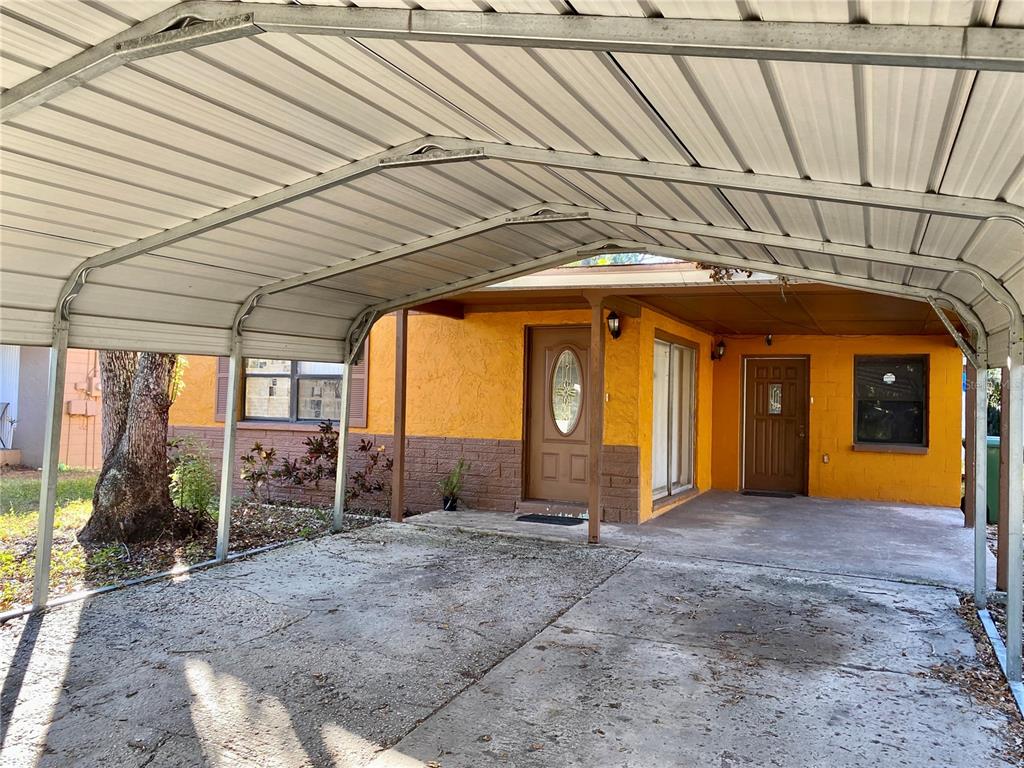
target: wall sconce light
768 340
614 325
719 351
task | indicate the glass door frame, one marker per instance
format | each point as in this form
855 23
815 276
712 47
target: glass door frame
674 400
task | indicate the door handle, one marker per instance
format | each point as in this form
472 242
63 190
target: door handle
800 432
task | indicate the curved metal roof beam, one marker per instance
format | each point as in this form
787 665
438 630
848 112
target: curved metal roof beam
182 26
616 245
966 313
538 213
787 186
434 149
972 48
423 150
989 283
560 212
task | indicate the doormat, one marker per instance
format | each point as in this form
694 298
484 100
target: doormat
770 494
551 519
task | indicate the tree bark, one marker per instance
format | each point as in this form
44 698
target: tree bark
132 500
117 371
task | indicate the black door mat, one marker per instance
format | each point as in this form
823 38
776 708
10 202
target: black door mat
770 494
551 519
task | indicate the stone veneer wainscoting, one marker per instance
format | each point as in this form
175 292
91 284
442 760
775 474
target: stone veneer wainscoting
493 482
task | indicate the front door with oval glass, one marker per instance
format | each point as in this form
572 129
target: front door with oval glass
558 459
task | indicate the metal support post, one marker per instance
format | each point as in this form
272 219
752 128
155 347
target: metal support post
227 468
51 451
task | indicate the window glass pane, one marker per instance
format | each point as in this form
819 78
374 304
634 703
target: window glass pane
891 400
320 399
660 426
268 397
682 460
566 391
320 369
675 399
263 365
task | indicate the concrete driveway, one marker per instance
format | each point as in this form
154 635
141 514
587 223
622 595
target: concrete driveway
426 646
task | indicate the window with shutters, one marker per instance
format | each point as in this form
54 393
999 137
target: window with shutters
295 390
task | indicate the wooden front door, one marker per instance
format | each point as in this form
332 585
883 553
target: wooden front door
558 457
775 425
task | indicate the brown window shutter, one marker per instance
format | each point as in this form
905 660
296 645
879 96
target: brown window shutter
222 389
358 388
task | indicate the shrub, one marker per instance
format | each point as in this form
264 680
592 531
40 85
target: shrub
256 470
372 483
193 483
318 462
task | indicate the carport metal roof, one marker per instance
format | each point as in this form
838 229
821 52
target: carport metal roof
292 171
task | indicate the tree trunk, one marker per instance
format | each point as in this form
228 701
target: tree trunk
117 371
132 501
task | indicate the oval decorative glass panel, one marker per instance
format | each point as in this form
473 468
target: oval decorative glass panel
566 391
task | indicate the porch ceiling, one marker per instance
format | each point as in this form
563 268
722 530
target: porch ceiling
292 171
739 309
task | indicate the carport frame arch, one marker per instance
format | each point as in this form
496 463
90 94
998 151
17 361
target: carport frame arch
430 150
945 47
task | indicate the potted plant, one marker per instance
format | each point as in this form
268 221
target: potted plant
450 486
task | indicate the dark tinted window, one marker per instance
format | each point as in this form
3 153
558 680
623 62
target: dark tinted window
891 400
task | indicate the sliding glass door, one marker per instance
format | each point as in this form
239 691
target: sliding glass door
672 428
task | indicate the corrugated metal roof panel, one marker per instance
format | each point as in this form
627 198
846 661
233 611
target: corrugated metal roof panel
33 253
904 123
893 230
180 338
673 90
28 327
985 161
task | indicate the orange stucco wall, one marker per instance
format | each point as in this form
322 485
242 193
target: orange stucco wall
475 387
464 377
932 478
196 404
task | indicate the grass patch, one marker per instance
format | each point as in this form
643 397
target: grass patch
69 517
19 495
19 514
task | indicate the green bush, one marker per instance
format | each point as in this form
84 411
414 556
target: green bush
256 470
193 483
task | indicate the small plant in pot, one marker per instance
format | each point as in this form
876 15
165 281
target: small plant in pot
450 486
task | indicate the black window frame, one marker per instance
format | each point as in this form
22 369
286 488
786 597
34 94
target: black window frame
886 445
293 404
